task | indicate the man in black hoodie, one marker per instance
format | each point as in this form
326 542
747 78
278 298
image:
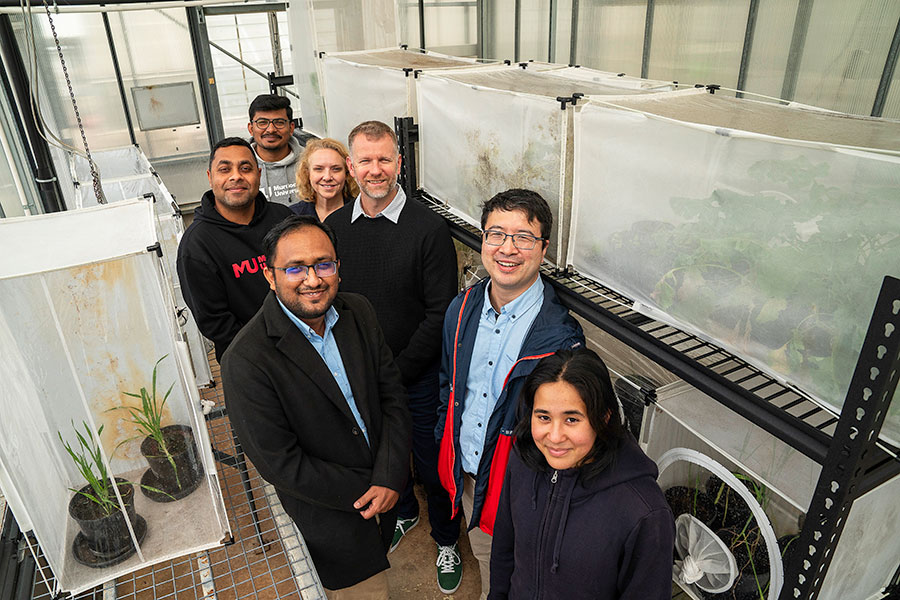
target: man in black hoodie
220 257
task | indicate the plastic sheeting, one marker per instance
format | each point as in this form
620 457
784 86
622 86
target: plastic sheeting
83 318
363 86
125 174
773 248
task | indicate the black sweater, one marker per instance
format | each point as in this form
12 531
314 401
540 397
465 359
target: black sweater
408 273
220 268
559 537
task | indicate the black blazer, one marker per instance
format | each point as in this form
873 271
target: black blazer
296 427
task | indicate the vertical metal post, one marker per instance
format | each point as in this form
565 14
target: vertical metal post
748 46
118 71
276 43
551 42
862 415
887 75
573 40
517 32
795 54
648 34
209 95
479 28
422 24
407 136
19 94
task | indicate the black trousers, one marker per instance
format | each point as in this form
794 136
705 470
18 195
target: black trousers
423 405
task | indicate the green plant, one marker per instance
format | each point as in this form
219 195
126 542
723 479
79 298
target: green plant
148 417
87 458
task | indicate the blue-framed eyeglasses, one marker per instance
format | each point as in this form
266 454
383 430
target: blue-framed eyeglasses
301 272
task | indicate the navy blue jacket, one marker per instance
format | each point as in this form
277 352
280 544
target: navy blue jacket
558 537
553 329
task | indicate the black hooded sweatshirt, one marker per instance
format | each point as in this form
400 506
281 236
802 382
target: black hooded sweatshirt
559 537
220 267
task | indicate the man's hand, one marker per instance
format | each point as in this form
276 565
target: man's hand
376 500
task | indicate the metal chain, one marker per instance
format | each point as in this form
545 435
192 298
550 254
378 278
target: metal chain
98 189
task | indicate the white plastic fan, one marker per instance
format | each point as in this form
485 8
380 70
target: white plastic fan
706 561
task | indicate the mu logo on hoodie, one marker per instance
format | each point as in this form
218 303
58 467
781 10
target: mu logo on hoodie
253 264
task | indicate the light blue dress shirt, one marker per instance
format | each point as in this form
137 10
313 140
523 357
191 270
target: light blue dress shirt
327 348
497 345
391 212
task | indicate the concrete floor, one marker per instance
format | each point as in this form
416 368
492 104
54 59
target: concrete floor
413 574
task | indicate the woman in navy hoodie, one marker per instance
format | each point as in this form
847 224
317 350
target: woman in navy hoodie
581 514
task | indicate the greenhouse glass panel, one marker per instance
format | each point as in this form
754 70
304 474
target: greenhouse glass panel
143 62
698 42
611 35
389 90
83 324
306 68
845 51
771 46
500 30
534 30
83 39
452 29
771 247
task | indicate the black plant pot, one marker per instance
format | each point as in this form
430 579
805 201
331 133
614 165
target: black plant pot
188 473
104 539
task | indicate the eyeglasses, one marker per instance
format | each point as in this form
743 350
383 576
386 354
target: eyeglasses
301 272
264 123
522 241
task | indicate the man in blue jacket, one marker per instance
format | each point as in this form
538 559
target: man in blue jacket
494 334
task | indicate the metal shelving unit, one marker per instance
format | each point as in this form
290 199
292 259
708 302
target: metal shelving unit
853 460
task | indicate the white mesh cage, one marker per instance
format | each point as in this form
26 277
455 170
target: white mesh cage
773 248
712 567
483 131
126 174
375 85
84 316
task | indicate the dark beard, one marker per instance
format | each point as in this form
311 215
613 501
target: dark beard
301 312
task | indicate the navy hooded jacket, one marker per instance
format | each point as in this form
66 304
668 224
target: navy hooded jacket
558 537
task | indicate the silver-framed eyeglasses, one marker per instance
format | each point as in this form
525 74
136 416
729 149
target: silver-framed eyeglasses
264 123
522 241
301 272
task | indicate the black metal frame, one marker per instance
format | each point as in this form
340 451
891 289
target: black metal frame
16 566
849 456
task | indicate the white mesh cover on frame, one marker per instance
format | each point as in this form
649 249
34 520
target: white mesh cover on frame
84 316
773 248
372 85
477 141
126 174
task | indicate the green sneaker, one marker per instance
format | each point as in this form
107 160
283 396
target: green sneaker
449 568
402 527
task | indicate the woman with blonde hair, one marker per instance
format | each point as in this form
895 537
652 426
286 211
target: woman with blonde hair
323 183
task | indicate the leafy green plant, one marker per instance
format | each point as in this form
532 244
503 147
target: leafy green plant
147 418
87 457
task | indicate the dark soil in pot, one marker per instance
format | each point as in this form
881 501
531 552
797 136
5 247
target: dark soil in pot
104 539
695 502
188 473
732 510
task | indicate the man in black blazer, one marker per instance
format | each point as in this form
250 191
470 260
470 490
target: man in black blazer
318 405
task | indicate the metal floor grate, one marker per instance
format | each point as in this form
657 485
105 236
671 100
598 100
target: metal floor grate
269 563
